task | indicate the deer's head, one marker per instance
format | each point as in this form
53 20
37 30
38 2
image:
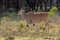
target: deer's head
21 12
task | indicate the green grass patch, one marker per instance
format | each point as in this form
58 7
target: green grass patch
52 11
22 24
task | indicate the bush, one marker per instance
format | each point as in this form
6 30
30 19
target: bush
22 24
52 11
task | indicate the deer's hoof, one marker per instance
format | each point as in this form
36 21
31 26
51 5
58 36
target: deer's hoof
27 25
33 24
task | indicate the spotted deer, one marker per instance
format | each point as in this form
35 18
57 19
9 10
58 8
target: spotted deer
34 17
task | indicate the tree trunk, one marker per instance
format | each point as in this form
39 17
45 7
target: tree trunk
7 3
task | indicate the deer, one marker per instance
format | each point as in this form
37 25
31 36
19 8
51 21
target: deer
34 17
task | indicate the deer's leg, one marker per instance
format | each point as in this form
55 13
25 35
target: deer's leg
33 24
40 21
27 25
29 22
47 23
46 26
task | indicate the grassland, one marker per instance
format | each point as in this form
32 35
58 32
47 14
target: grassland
10 30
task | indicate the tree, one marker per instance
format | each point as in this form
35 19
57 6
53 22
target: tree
51 3
7 4
58 4
16 3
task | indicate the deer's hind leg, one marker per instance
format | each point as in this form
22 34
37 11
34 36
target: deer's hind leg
31 22
46 23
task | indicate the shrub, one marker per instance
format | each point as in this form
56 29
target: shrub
22 24
52 11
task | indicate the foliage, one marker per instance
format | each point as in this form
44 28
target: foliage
58 13
13 15
52 11
22 24
5 18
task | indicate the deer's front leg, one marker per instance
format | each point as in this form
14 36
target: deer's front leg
33 24
29 22
27 25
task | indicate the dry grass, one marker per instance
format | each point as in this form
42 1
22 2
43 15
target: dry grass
39 32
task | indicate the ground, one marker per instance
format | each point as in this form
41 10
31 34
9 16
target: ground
9 28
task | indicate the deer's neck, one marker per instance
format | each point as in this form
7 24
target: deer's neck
23 15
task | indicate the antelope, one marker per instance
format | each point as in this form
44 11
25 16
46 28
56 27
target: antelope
34 17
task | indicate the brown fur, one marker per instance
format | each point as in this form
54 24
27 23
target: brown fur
35 17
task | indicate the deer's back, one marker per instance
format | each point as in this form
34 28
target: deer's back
35 18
